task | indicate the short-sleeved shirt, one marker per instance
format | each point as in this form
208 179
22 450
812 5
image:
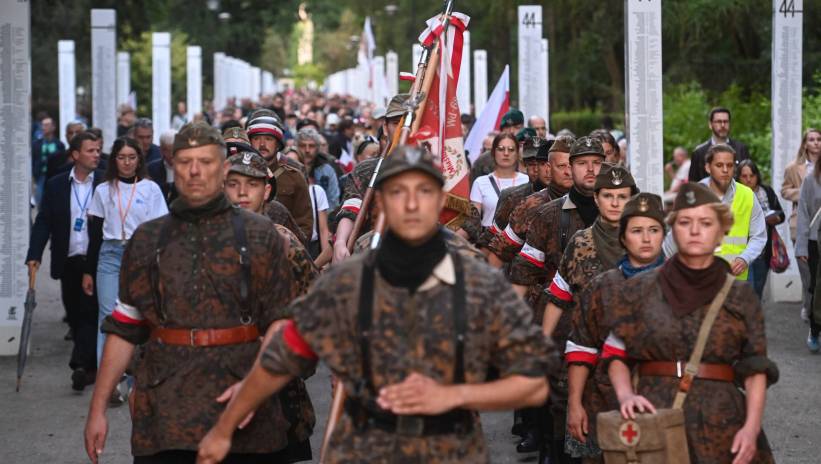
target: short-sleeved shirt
483 192
113 200
319 203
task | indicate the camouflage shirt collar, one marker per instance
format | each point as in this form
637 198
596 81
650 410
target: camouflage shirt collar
444 272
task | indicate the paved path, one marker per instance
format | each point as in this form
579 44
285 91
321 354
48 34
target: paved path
44 422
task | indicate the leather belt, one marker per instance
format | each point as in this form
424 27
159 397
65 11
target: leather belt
720 372
206 337
458 421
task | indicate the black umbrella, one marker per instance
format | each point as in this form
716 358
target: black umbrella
25 330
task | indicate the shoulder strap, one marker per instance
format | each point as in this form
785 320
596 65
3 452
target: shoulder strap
459 318
241 245
565 226
364 319
495 186
154 266
691 369
278 172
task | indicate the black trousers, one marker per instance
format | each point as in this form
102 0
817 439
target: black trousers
81 310
190 457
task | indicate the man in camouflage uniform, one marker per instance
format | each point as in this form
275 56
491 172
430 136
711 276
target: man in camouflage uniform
198 287
513 228
267 136
395 327
535 158
237 140
246 186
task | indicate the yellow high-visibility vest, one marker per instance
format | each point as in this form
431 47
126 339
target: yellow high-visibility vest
735 242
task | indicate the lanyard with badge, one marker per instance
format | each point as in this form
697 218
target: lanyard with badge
127 208
81 220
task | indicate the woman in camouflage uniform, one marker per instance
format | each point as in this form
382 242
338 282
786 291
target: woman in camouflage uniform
641 232
656 319
590 252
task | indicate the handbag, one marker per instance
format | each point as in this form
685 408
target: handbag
658 438
780 260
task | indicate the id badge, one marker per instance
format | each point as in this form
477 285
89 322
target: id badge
78 224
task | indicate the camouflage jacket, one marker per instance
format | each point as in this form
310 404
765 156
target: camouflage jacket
292 192
539 258
354 190
278 213
511 236
644 328
199 275
411 333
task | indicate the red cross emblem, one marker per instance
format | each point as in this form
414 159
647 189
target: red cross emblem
630 433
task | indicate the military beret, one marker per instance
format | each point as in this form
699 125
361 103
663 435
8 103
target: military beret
249 164
692 194
613 176
645 204
562 143
512 118
525 133
396 107
407 158
236 133
197 134
536 148
586 146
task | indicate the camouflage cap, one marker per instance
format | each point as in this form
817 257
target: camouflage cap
235 133
613 176
248 164
586 146
562 143
645 204
536 148
692 195
396 107
512 118
197 134
407 158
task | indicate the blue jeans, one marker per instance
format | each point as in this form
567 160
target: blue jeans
108 285
758 274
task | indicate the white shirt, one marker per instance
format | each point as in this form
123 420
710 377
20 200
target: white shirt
80 201
147 204
484 193
169 173
319 202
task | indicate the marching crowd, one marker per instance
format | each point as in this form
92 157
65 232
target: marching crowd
216 265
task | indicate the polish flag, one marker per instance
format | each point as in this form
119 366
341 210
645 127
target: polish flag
497 105
440 126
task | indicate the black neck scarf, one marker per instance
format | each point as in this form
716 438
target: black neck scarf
586 206
687 289
537 185
182 210
403 265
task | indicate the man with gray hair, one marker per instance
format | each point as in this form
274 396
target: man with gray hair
143 133
318 170
162 170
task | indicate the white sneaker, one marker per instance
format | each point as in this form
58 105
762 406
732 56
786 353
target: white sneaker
805 315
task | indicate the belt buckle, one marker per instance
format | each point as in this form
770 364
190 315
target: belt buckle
412 426
192 336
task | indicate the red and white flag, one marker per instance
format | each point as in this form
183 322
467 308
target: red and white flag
441 125
491 117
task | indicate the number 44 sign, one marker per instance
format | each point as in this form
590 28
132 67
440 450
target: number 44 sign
787 7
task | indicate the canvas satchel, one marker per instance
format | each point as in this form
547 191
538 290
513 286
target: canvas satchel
658 438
